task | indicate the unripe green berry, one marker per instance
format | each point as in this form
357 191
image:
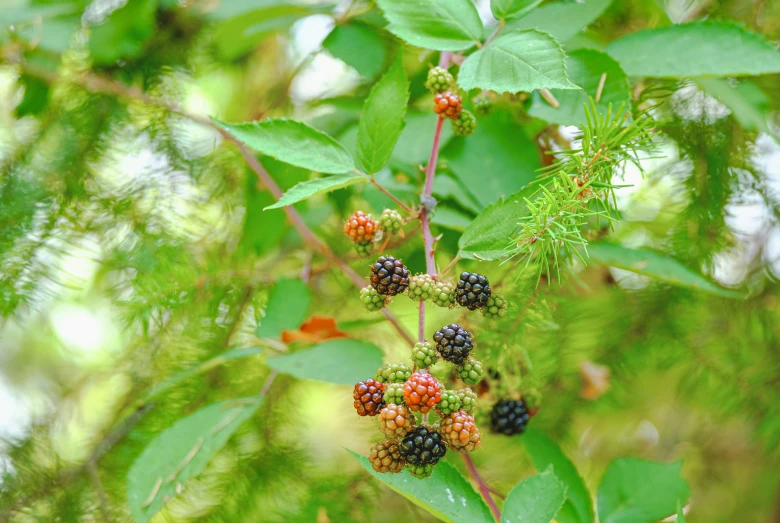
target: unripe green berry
439 80
391 221
372 300
464 124
495 307
424 354
470 371
394 393
450 402
393 373
364 248
420 287
468 399
420 471
483 104
443 293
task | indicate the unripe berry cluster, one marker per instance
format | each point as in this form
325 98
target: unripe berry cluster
364 230
447 103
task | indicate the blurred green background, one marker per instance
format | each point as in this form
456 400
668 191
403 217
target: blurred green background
133 246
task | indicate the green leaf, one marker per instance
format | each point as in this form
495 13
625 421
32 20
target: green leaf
28 13
447 495
414 145
654 265
124 33
544 452
36 96
585 67
562 19
383 119
342 361
512 9
293 142
708 48
359 46
748 103
638 491
450 218
309 188
442 25
182 452
286 309
516 61
680 515
535 500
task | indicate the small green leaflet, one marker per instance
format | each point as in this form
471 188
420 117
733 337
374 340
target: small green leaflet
343 361
654 265
535 500
182 452
516 61
638 491
442 25
293 142
512 9
447 495
544 452
383 119
286 309
708 48
748 103
562 19
585 67
359 46
307 189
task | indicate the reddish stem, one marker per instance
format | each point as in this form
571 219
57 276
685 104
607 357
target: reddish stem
483 487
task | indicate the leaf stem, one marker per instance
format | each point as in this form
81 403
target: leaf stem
392 197
483 487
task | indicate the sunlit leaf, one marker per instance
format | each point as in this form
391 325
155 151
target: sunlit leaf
287 307
562 19
309 188
512 9
534 500
342 361
359 46
444 25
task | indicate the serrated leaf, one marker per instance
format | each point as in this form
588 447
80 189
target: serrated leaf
342 361
535 500
182 452
654 265
708 48
359 46
309 188
585 67
383 119
749 105
516 61
293 142
442 25
563 19
638 491
447 495
578 507
512 9
286 309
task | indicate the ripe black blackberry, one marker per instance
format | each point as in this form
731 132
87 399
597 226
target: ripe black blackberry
422 446
389 276
472 290
509 417
453 343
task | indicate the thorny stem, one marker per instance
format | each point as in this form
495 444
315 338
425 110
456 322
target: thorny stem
483 487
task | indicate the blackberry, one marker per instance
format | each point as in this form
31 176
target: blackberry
439 79
422 446
465 124
360 227
420 471
453 343
365 248
459 431
393 373
495 307
420 287
396 421
424 354
394 393
443 293
509 417
450 402
473 290
447 104
421 392
391 221
386 457
470 371
371 299
468 400
389 276
483 104
368 397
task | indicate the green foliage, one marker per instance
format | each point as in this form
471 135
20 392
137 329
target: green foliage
535 500
287 307
340 361
444 25
561 19
748 103
512 9
307 189
125 32
359 46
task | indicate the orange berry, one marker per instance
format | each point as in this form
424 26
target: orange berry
421 392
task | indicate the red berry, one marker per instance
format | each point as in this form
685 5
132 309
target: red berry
368 397
421 392
459 431
360 227
447 104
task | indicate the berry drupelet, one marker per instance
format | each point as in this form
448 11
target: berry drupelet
368 396
453 343
509 417
393 373
422 446
443 293
396 421
389 276
468 400
391 221
447 104
386 457
470 371
420 287
372 300
439 80
472 290
465 124
495 307
360 227
421 392
424 354
459 431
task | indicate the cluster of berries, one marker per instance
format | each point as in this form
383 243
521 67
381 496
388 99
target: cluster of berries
447 103
364 231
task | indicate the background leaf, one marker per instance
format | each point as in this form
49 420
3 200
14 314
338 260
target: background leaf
359 46
124 33
708 48
749 105
182 452
561 20
342 361
516 61
655 265
293 142
443 25
544 452
309 188
512 9
383 119
286 309
638 491
534 500
446 494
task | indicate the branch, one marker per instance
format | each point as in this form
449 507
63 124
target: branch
483 487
